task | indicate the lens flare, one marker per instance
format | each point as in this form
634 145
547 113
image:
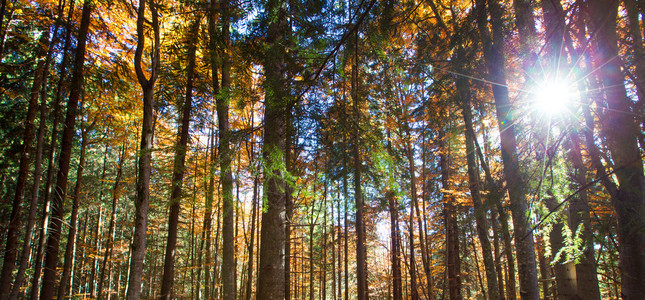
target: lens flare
553 97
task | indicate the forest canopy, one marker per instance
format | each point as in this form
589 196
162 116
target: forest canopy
384 149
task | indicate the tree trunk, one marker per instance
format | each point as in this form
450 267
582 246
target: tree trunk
179 168
13 228
207 231
35 282
73 222
494 55
397 291
638 51
475 191
620 130
271 270
361 251
116 193
33 209
142 201
254 212
55 225
225 157
453 261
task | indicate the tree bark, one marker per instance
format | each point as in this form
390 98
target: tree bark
475 191
395 259
494 55
142 201
26 154
51 156
272 238
116 193
55 225
73 222
225 158
620 129
179 169
453 261
361 251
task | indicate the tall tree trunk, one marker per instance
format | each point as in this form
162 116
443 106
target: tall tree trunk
51 156
55 225
497 254
586 274
225 158
206 233
116 193
638 51
361 251
73 222
96 243
395 258
271 270
346 236
414 293
453 261
620 130
26 154
254 212
179 168
33 209
142 201
494 55
475 191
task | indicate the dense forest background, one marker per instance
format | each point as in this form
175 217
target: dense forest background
350 149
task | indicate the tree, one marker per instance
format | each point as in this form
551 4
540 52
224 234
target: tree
55 225
226 177
179 166
494 55
620 131
142 201
26 154
272 236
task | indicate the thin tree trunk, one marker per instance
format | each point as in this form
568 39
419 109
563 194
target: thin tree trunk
225 158
453 261
97 235
475 191
397 291
494 55
361 251
116 193
73 222
254 213
497 254
346 236
13 228
35 282
179 168
207 231
289 211
142 201
33 209
55 225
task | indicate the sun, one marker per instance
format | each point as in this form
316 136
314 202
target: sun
553 97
